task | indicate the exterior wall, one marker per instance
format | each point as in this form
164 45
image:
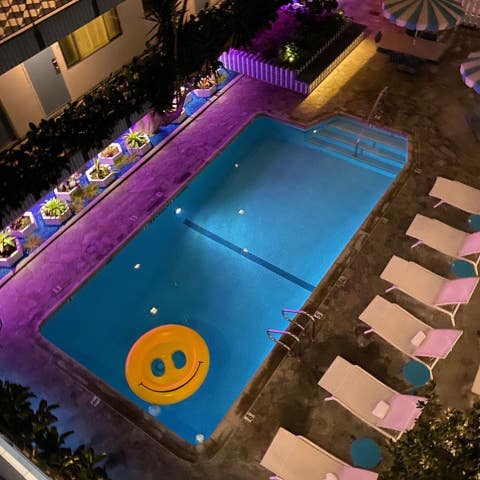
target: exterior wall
19 100
18 97
86 74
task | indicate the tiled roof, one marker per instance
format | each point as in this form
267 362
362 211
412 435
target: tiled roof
16 14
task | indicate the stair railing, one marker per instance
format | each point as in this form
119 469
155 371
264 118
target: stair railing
369 118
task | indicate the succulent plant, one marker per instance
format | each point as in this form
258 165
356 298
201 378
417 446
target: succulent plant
100 170
7 243
206 82
54 207
135 139
109 151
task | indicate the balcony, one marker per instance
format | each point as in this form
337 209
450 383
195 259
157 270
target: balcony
27 27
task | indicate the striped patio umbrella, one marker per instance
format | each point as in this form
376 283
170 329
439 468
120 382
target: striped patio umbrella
431 15
470 70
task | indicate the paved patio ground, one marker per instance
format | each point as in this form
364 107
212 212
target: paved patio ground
429 107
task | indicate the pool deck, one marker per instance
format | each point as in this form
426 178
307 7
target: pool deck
430 107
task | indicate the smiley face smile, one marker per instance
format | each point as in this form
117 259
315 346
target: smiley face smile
176 388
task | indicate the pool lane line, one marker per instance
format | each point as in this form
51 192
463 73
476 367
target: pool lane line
249 256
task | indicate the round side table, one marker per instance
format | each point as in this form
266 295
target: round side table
416 373
365 453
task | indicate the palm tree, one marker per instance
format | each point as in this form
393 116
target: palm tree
82 465
16 414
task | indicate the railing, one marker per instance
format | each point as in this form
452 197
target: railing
311 319
271 331
298 313
369 118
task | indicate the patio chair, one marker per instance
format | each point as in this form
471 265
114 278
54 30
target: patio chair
457 194
293 457
428 287
476 383
370 400
407 333
445 239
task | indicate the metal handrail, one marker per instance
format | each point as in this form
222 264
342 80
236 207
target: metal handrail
367 124
311 318
277 340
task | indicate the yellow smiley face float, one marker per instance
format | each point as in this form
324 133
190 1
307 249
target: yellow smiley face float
167 364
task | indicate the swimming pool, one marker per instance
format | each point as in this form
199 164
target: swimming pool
252 234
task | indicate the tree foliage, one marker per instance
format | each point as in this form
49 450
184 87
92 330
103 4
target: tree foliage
34 432
180 48
443 445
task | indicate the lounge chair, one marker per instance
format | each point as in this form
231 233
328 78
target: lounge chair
476 383
428 287
373 402
446 239
292 457
456 194
407 333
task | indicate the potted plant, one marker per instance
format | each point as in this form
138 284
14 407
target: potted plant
109 154
66 189
100 174
55 211
24 225
137 142
206 87
10 249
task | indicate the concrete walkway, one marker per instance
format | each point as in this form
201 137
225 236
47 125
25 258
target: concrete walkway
430 107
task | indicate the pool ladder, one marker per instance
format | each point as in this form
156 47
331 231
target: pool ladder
271 332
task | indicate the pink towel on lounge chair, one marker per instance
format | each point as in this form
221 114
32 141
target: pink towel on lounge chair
471 245
438 343
352 473
402 413
457 291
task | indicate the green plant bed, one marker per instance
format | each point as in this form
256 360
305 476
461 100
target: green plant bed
299 33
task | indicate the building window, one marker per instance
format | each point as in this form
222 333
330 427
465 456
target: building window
91 37
7 135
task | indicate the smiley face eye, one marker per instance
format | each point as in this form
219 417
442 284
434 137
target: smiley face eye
158 367
179 359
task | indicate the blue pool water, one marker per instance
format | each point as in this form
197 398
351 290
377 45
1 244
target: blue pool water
301 204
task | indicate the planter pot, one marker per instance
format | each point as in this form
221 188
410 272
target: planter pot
205 92
111 160
13 258
67 196
181 117
141 150
29 229
104 182
188 99
56 221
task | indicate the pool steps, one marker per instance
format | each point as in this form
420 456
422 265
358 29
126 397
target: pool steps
379 150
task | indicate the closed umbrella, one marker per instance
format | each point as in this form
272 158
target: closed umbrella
470 71
420 15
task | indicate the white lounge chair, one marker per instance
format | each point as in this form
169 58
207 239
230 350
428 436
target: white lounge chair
476 383
407 333
457 194
370 400
293 457
428 287
446 239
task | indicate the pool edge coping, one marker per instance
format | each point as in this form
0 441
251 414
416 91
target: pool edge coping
158 431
